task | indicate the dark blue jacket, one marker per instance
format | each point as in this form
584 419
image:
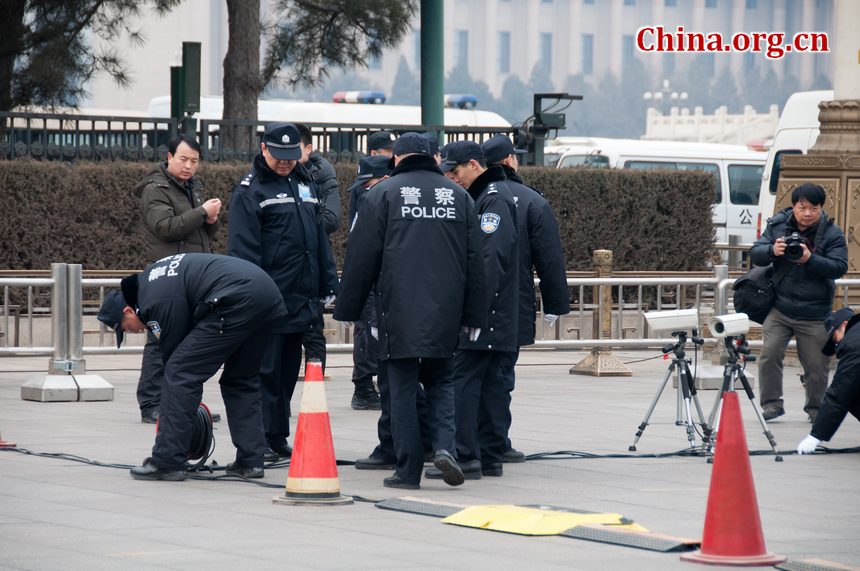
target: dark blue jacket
176 292
539 250
806 291
275 223
497 214
843 394
416 239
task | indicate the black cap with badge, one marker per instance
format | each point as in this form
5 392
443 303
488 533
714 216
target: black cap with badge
498 147
410 144
114 304
375 166
380 140
283 141
832 323
460 152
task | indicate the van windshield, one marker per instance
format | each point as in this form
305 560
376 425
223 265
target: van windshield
682 166
591 160
744 183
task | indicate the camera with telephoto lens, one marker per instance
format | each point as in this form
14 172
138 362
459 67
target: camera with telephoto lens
793 248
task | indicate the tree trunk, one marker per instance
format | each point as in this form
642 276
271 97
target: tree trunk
242 84
11 35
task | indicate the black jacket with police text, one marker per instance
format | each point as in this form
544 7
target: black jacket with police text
416 237
275 223
539 250
843 394
176 292
806 291
497 214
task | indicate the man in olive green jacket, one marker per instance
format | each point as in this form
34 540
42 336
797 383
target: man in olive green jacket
176 219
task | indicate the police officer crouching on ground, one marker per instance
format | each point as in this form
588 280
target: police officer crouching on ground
539 251
365 333
416 237
843 395
206 311
480 394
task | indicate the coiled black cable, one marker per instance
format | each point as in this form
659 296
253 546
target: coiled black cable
202 438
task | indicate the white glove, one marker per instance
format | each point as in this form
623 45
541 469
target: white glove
328 300
374 332
807 445
550 318
473 332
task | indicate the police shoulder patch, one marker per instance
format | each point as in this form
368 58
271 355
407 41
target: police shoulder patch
247 180
155 328
490 222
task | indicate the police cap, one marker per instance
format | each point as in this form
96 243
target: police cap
498 147
380 140
460 152
283 141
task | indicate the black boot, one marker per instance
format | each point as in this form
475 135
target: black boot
365 396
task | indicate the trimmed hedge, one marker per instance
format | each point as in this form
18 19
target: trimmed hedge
86 213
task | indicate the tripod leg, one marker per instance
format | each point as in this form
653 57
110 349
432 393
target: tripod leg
684 381
728 373
706 429
644 424
767 433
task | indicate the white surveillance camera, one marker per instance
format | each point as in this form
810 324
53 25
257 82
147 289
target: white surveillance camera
729 325
676 320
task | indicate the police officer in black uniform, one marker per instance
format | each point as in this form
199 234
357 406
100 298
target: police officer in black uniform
539 250
416 237
480 395
365 340
276 224
328 191
205 310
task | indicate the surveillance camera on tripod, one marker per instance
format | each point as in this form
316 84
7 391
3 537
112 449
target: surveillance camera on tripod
679 320
730 325
732 329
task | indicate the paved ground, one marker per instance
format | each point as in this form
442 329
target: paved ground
58 514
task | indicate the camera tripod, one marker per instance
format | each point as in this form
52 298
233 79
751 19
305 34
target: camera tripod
735 347
686 390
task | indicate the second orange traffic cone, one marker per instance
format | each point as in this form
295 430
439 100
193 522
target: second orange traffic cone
732 533
313 475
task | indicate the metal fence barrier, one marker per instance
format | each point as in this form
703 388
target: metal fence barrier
73 320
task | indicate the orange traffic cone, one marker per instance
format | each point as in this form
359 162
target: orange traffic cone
313 469
732 533
6 443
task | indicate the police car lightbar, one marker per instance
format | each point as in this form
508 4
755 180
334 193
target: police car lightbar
461 100
368 97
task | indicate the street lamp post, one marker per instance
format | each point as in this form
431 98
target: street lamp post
666 96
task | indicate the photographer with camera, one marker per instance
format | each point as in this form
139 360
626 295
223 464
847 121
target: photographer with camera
814 247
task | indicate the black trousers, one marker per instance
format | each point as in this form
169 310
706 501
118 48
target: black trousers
404 376
278 374
151 379
365 351
481 403
385 449
197 358
507 365
314 340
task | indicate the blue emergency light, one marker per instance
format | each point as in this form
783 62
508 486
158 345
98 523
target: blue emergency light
461 100
368 97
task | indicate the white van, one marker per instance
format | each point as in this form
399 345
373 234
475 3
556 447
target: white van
737 172
796 132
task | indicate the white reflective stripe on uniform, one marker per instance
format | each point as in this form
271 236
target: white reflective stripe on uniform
272 201
311 199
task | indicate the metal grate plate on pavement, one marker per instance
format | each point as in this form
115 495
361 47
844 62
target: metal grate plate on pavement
639 539
814 565
419 506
